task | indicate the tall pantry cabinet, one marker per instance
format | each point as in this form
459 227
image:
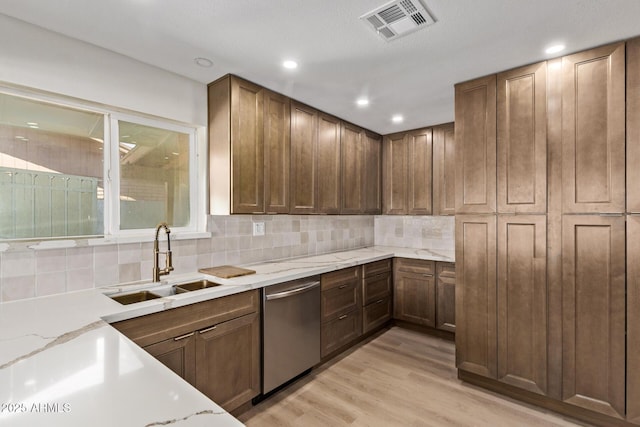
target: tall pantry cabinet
545 301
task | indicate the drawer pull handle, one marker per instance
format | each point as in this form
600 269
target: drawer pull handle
344 316
181 337
379 301
204 331
342 286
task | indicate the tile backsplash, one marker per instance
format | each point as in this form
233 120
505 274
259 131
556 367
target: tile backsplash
428 232
26 273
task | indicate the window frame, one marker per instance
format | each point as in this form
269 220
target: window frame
111 171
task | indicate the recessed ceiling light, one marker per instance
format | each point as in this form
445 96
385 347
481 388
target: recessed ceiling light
397 118
289 64
554 49
203 62
362 102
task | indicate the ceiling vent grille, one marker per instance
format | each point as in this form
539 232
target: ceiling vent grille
398 18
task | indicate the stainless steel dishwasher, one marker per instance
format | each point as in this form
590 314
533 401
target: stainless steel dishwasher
291 324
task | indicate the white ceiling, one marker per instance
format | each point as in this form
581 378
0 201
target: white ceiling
340 57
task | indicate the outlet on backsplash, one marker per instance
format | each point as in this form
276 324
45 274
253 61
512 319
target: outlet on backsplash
258 228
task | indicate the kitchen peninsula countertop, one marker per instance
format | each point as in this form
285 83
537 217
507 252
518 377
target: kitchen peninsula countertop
61 363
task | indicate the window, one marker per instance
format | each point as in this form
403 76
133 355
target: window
67 171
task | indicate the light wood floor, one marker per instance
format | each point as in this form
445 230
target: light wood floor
400 378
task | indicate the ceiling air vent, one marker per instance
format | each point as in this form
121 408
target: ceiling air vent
398 18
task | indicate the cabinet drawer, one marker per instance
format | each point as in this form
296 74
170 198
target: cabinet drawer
446 269
376 287
340 277
376 314
157 327
378 267
339 300
341 331
410 265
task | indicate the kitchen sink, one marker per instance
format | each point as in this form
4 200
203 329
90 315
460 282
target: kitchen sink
134 297
194 286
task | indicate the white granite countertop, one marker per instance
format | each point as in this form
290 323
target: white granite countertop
62 364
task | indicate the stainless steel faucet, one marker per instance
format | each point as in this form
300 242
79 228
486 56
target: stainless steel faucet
168 267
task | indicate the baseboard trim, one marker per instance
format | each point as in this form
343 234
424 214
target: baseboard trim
425 330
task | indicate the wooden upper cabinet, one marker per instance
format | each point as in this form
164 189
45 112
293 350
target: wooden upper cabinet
475 111
395 171
475 292
522 140
522 301
408 158
593 130
633 125
372 174
352 169
249 129
420 172
593 309
277 131
328 168
304 142
444 170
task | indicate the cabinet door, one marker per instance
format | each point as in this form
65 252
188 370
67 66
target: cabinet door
352 169
376 314
341 331
476 339
633 125
522 140
247 142
420 174
476 146
178 354
372 174
304 127
446 303
633 318
593 309
444 170
228 361
329 170
415 298
522 302
277 131
593 130
395 170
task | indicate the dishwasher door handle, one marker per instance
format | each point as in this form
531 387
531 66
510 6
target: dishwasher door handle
292 292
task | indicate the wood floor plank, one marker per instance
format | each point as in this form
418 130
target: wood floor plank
400 378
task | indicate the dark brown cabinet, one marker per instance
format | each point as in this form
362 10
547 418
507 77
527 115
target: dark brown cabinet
475 111
522 302
214 345
414 291
593 301
341 309
376 294
476 315
444 170
593 130
248 148
522 140
633 125
633 318
304 145
408 159
446 296
361 163
329 169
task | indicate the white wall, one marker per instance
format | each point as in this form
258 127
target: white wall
38 58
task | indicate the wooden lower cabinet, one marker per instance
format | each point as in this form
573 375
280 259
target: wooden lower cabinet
593 309
476 314
377 290
446 296
227 371
522 302
414 290
633 318
341 309
214 345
